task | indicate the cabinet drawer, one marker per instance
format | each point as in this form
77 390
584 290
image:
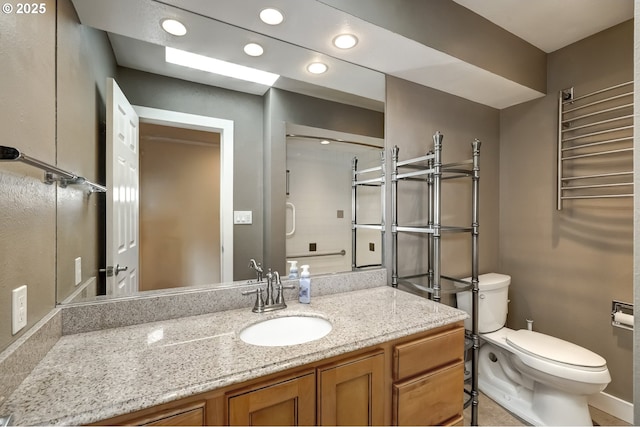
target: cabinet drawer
431 399
428 353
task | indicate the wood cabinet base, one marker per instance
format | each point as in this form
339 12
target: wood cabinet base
416 380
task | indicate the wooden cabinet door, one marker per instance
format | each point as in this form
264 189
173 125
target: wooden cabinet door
351 392
287 403
431 399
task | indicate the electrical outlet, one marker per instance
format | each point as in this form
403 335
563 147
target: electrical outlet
78 270
19 309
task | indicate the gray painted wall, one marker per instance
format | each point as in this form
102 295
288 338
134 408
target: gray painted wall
567 266
413 114
27 120
85 60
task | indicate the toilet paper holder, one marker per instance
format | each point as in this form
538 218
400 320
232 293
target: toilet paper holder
622 315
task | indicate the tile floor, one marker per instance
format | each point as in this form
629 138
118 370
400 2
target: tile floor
492 414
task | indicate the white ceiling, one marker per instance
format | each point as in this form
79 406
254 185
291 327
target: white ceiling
221 28
552 24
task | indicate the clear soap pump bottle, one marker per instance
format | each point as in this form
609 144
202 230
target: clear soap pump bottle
304 295
293 269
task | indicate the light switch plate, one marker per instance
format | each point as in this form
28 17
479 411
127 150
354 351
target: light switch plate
78 269
18 309
243 217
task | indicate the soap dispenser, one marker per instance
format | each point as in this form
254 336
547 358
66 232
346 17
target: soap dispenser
304 295
293 269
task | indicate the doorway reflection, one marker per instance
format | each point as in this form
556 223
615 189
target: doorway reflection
179 207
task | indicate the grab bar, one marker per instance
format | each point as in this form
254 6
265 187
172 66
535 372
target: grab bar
293 219
65 178
317 254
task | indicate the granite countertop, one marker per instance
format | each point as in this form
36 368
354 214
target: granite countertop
91 376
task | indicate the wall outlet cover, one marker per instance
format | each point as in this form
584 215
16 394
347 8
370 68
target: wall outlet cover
243 217
18 309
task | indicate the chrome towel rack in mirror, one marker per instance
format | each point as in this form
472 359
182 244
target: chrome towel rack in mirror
52 173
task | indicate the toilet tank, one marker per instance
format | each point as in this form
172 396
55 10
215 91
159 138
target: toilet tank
492 302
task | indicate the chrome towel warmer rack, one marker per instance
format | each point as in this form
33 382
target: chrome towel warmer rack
52 173
595 144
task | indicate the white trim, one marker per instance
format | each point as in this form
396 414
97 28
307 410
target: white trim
613 405
225 129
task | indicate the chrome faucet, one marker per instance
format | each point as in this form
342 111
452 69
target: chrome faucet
257 267
269 298
265 304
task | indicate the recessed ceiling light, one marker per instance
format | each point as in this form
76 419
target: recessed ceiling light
325 142
271 16
253 49
216 66
174 27
345 41
317 68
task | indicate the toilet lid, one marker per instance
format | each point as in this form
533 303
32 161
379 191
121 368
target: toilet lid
554 349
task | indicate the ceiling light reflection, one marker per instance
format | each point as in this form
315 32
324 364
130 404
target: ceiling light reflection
317 68
271 16
173 27
345 41
253 49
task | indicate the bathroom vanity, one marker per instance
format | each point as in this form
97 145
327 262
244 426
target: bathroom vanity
425 372
390 358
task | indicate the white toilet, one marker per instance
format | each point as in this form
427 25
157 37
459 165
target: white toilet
542 379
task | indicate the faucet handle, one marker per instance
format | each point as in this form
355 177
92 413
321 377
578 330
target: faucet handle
258 307
280 298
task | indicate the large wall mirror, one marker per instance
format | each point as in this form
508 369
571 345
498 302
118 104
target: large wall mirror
183 215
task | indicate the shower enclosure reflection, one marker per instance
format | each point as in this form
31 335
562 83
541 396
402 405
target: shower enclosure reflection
320 202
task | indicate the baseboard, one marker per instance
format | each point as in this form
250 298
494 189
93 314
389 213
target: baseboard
613 405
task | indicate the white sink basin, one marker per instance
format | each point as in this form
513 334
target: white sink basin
289 330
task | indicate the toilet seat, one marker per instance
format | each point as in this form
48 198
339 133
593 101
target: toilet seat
531 358
555 350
